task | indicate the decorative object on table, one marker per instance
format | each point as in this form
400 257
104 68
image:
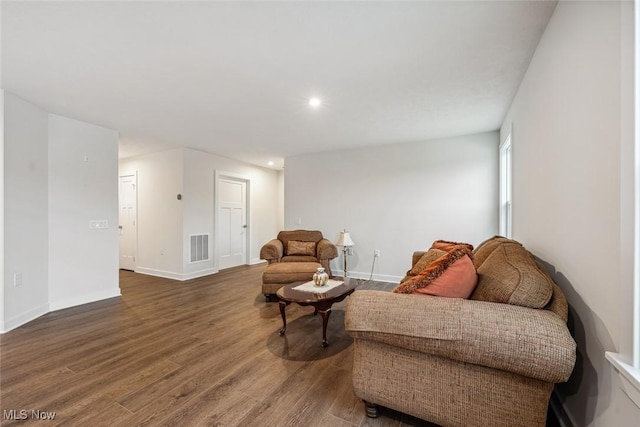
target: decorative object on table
320 277
345 242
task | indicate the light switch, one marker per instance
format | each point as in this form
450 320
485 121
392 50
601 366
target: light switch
98 224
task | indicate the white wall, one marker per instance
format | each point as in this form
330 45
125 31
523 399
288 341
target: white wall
165 224
25 214
50 195
199 171
569 153
396 198
83 186
159 224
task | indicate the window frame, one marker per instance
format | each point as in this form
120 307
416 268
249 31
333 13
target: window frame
506 186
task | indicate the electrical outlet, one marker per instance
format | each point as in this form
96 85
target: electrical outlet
376 253
17 279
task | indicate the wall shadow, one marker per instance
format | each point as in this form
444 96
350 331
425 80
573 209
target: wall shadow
579 395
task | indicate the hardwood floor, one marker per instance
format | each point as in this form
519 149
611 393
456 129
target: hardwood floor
201 352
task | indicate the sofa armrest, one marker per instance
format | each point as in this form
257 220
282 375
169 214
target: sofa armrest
326 250
525 341
272 250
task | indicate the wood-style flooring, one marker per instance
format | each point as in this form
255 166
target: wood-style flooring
202 352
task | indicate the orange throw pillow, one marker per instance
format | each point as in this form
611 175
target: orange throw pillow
453 275
445 245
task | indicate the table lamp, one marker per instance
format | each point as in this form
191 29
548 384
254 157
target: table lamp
345 241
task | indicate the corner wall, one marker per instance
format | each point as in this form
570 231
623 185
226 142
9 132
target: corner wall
50 195
26 212
396 198
571 138
83 186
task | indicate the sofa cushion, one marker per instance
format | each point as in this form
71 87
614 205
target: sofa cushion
451 275
424 262
482 252
445 245
298 247
510 275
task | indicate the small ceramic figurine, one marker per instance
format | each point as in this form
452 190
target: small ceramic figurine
320 277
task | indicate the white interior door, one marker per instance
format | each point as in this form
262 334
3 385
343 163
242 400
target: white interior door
232 222
127 222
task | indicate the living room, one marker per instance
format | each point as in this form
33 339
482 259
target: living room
572 128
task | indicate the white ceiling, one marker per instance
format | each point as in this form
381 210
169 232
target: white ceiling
234 78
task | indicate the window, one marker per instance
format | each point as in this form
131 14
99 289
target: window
627 361
505 187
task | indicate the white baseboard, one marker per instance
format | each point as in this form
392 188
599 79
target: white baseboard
23 318
83 299
158 273
255 261
176 276
361 275
199 273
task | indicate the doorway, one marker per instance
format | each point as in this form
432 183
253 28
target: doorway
231 225
127 192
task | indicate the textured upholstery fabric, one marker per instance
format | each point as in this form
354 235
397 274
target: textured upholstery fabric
296 247
510 275
444 391
485 249
430 256
275 252
451 275
457 362
277 275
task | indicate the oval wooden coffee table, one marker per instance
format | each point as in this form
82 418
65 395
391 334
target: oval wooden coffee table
320 300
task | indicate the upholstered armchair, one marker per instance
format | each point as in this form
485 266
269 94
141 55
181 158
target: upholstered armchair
300 246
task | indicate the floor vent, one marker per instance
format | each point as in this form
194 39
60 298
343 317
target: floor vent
199 247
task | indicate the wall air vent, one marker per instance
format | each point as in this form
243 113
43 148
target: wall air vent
199 247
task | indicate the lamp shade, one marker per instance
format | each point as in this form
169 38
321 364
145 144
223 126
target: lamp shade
344 239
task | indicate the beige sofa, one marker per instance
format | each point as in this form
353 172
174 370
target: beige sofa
491 360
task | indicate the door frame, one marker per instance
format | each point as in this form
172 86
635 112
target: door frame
218 175
133 174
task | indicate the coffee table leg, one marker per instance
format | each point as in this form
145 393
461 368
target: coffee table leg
283 305
325 319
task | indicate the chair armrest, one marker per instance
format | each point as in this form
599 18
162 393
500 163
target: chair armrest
326 250
525 341
272 250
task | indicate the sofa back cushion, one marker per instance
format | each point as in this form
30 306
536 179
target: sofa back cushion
511 275
482 252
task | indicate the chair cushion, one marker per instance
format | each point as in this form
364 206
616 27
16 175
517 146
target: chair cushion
510 275
299 258
289 272
300 235
298 247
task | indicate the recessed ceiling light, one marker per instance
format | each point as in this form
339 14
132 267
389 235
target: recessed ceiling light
270 163
315 102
